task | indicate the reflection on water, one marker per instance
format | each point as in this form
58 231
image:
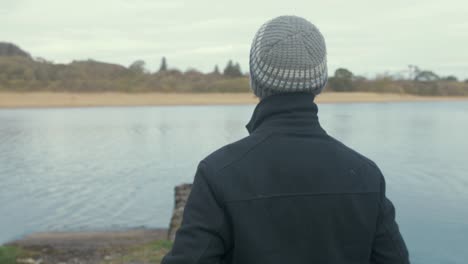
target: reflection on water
102 168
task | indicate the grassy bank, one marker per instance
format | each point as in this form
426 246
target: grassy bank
9 254
16 254
89 247
151 252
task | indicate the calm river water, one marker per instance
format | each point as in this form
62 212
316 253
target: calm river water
115 167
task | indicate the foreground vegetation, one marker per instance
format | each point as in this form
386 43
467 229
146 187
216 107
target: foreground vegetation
21 72
11 254
8 254
147 253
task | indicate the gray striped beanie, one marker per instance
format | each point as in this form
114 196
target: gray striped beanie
288 54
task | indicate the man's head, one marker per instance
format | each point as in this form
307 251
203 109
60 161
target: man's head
288 54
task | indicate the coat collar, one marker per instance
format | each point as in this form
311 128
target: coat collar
285 111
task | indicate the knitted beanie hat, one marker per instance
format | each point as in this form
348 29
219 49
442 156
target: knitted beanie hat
288 54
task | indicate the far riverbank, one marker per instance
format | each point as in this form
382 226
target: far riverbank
51 99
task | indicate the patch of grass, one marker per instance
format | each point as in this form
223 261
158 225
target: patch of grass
8 254
148 253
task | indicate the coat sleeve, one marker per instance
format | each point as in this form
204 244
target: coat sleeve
389 246
204 234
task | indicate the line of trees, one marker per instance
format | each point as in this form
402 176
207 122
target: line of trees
21 72
417 81
231 70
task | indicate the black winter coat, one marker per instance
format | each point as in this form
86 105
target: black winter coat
288 193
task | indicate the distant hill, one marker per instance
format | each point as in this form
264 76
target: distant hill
10 49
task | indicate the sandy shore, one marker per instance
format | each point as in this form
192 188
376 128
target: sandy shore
49 99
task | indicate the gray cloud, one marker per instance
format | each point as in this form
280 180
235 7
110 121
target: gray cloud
365 36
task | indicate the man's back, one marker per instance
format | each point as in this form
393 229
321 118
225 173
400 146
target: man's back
288 193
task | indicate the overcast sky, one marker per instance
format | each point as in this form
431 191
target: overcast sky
366 36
